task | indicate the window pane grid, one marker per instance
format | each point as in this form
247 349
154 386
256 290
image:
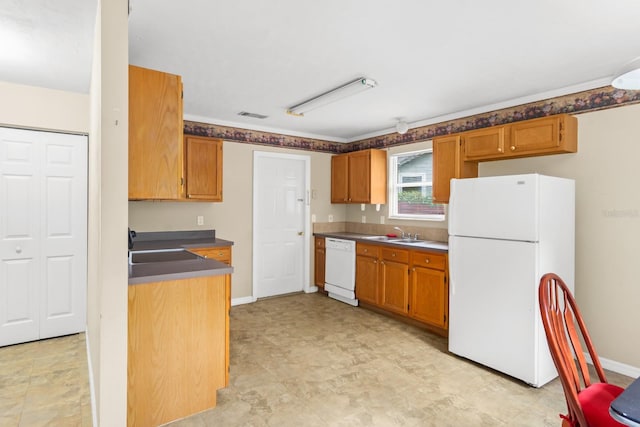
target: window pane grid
411 188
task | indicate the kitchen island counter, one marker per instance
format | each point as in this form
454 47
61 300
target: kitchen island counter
176 270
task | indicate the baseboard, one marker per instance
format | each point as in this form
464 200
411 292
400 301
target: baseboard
620 368
92 388
311 289
242 300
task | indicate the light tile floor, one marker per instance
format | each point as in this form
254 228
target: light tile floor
45 383
301 360
307 360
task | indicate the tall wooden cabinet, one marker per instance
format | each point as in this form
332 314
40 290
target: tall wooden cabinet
359 177
155 135
447 164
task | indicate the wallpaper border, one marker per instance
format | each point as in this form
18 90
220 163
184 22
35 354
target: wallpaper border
580 102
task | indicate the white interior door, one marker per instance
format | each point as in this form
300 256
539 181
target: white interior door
19 243
280 218
43 234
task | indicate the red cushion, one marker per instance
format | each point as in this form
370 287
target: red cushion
595 401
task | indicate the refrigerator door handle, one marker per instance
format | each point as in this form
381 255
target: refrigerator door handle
452 280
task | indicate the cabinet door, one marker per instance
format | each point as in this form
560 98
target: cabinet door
429 296
359 177
319 262
367 279
203 168
484 143
548 135
447 164
340 178
395 286
155 135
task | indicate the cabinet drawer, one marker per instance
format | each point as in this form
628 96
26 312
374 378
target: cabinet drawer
367 250
222 254
319 242
397 255
429 260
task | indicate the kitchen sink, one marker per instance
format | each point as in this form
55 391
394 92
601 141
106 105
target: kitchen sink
380 238
409 241
161 255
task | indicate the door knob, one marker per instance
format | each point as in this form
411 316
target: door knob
300 233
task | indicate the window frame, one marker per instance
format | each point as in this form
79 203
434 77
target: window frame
393 188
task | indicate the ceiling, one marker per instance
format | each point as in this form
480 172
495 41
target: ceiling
433 61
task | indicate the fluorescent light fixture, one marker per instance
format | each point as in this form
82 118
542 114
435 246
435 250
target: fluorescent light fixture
351 88
628 77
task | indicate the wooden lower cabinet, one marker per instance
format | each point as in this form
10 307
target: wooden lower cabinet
222 254
319 262
367 273
429 289
177 348
394 280
410 283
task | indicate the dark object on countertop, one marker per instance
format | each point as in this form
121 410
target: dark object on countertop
132 234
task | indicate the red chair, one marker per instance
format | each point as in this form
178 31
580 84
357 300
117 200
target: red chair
588 402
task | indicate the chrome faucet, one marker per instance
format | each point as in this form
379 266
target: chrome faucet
400 230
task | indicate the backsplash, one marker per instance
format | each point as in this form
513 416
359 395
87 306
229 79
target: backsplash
425 233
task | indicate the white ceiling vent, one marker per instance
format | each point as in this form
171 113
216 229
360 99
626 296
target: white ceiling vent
254 115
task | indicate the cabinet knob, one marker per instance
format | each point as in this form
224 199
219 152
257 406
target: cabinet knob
366 250
513 148
426 260
393 254
499 149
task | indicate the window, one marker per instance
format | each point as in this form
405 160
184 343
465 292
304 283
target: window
411 188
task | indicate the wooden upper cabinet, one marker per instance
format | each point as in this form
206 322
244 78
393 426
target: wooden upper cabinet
359 177
340 178
484 143
547 135
203 168
155 135
447 164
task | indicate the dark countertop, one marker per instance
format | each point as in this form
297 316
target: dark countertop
434 246
176 270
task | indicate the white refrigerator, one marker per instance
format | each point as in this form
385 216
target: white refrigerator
505 232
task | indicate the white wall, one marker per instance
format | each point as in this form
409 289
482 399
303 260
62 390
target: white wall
108 190
232 219
607 224
40 108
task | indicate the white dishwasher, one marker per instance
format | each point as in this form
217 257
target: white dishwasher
340 270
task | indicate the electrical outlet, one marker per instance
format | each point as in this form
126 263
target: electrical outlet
381 219
364 219
330 218
313 217
200 220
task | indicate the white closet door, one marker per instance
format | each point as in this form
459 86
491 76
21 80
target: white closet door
43 236
19 242
63 236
